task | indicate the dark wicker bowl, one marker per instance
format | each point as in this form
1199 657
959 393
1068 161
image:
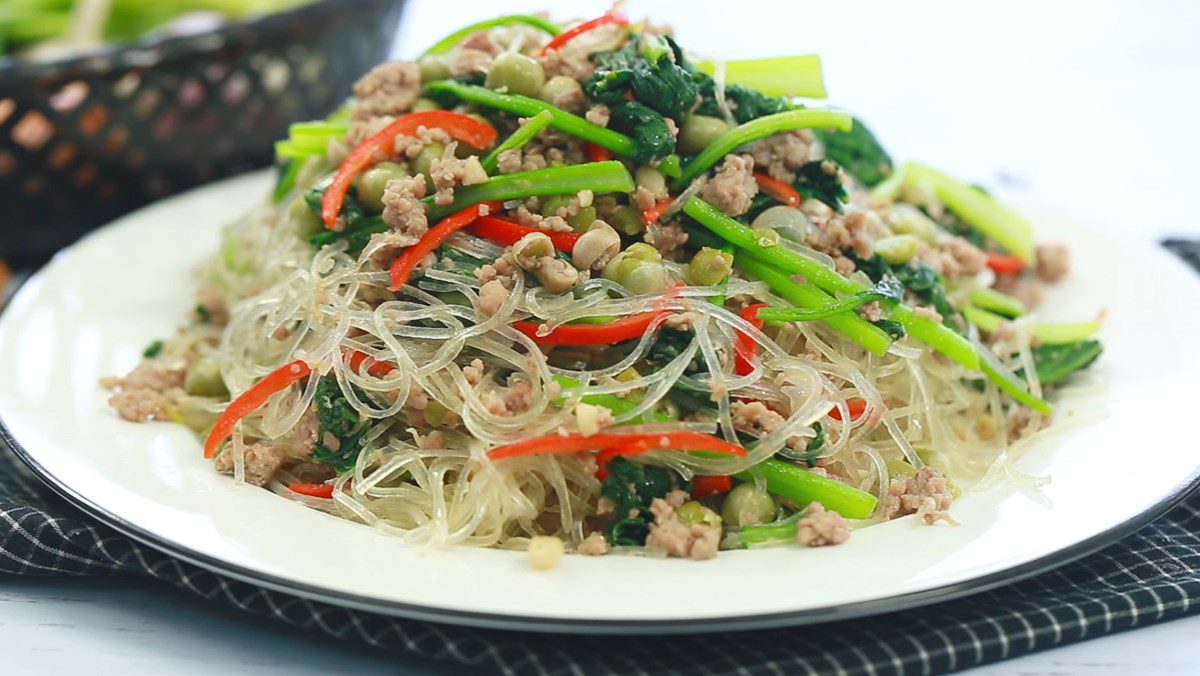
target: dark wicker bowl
89 138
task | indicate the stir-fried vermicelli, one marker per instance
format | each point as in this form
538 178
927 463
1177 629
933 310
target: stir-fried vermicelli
578 282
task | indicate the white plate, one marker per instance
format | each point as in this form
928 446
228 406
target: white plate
93 309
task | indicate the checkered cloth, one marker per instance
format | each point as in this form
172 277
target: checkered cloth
1150 576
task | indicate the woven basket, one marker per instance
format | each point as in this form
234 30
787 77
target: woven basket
85 140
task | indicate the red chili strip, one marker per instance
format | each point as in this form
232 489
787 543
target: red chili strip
506 233
595 153
402 268
625 328
576 443
468 130
312 490
745 348
655 212
777 189
1005 264
250 400
566 36
703 486
355 360
856 406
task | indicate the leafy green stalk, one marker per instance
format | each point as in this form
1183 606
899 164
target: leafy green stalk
994 301
757 129
612 402
527 107
802 487
1055 362
778 76
992 219
447 43
338 418
846 321
1011 384
783 530
886 291
785 260
599 177
519 138
1046 333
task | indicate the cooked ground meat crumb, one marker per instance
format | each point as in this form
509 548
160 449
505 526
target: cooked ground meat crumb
147 392
1053 262
593 545
667 533
598 114
403 209
733 186
819 528
667 238
782 154
926 494
260 461
388 89
491 296
449 171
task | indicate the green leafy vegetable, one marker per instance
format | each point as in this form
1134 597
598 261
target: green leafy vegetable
651 135
918 278
885 290
858 151
338 418
203 313
1055 362
633 486
813 182
746 104
651 69
359 225
153 349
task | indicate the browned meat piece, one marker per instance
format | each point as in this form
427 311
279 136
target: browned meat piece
1053 262
819 528
733 186
926 494
261 462
389 89
403 209
147 392
668 533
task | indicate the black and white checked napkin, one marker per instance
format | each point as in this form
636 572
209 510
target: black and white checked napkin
1151 576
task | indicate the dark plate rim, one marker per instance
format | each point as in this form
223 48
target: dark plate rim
426 613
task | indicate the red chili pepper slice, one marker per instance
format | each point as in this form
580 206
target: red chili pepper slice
355 359
1005 264
745 349
312 490
576 443
624 450
625 328
468 130
703 486
778 189
250 400
566 36
595 153
856 406
506 233
402 268
655 212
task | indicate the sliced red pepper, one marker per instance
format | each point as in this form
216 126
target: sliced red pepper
312 490
655 212
355 359
577 443
624 450
408 260
595 153
506 233
856 406
1005 264
777 189
745 348
703 486
250 400
460 127
625 328
566 36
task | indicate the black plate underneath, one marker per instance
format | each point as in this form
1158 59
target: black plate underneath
558 625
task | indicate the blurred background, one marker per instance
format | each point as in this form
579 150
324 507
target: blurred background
1086 107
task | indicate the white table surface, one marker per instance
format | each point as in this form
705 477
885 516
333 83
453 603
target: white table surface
1090 107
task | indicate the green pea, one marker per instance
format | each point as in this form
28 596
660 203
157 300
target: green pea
552 203
424 104
709 267
780 217
647 277
556 87
699 131
898 249
652 180
583 220
900 468
627 220
424 160
643 251
516 73
747 505
766 236
373 182
204 379
198 414
299 215
433 67
908 220
695 514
